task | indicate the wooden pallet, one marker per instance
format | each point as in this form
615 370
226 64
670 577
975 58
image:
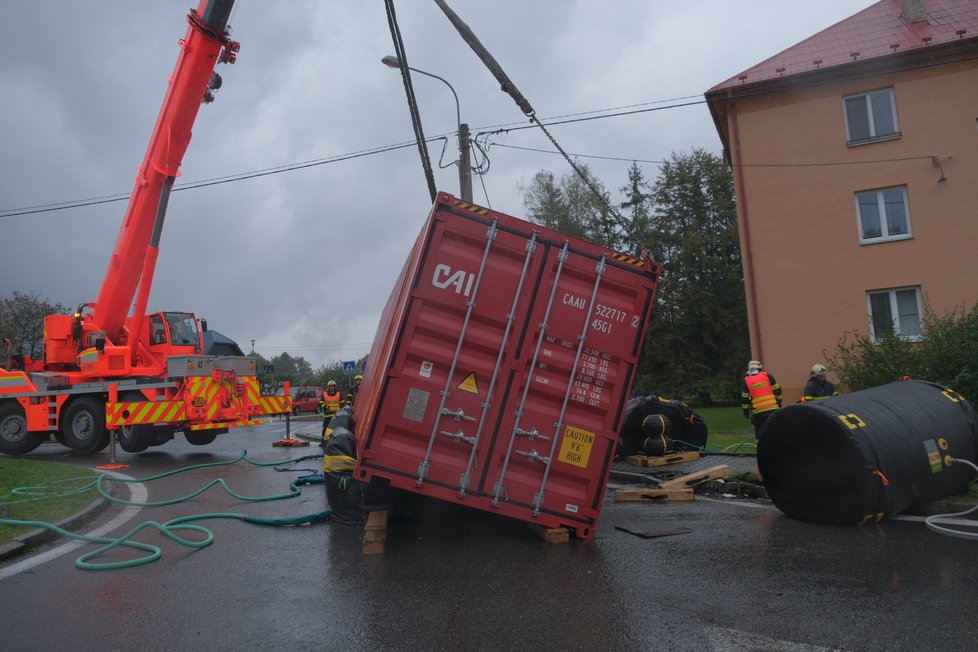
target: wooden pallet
653 495
693 479
551 534
675 458
375 533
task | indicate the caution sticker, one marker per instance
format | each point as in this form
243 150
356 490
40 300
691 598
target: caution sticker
576 447
469 384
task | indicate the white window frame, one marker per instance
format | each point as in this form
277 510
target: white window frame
885 235
895 312
874 136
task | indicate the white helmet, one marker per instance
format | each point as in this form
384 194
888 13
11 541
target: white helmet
331 383
819 369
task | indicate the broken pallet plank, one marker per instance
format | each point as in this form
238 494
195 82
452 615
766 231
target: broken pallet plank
694 479
653 495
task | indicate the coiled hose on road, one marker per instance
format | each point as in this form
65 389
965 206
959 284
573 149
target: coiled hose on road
181 524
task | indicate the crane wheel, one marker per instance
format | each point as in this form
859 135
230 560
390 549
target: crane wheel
202 437
15 439
134 439
83 425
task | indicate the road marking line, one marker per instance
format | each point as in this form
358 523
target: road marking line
139 495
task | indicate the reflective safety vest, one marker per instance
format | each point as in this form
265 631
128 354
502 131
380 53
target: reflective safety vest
762 396
332 402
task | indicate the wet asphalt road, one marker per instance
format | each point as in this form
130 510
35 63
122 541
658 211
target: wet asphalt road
744 578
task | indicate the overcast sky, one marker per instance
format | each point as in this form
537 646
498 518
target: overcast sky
303 261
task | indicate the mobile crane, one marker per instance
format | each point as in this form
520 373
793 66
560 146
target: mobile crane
145 376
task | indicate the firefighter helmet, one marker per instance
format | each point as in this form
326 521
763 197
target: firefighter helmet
819 369
331 383
754 364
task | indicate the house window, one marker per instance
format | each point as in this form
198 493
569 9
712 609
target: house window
895 311
871 117
883 215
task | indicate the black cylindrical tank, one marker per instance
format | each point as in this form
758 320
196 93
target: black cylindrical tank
869 454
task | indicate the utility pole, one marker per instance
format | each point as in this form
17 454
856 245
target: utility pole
464 168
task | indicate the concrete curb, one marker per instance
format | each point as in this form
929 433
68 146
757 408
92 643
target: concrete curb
35 538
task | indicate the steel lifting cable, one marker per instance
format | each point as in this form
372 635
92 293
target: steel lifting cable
183 523
411 100
507 85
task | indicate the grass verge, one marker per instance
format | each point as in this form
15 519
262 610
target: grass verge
41 491
728 430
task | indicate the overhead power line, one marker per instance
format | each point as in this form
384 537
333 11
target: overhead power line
744 165
316 347
570 118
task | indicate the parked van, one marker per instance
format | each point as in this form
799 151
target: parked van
305 399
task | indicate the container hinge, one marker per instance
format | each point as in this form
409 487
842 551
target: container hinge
537 503
458 414
532 434
422 472
460 437
498 490
463 483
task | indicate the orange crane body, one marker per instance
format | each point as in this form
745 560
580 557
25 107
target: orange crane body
145 376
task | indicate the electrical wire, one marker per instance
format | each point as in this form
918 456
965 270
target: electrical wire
719 164
932 522
749 442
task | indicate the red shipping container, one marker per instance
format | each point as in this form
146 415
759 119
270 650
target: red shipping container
501 366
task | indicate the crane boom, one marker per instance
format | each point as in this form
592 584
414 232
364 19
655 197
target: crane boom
205 44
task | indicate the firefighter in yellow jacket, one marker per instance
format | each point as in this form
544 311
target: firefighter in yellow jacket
760 395
331 402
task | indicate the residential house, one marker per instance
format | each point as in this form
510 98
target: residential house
855 160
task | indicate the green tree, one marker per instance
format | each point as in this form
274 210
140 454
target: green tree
698 339
22 322
327 372
948 354
637 204
570 205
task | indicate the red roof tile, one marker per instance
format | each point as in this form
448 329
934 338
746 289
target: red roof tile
877 31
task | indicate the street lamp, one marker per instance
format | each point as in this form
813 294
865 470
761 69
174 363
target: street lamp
464 168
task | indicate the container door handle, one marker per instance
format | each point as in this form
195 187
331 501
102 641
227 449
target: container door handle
423 467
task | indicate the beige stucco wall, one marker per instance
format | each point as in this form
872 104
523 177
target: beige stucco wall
810 273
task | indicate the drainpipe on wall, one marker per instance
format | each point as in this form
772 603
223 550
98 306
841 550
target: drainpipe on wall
748 255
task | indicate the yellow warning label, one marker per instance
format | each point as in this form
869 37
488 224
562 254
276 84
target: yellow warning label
469 384
576 447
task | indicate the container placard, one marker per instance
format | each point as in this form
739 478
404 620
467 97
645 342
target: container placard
576 447
416 404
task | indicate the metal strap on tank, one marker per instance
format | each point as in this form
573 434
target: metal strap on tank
459 414
582 340
498 488
466 477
